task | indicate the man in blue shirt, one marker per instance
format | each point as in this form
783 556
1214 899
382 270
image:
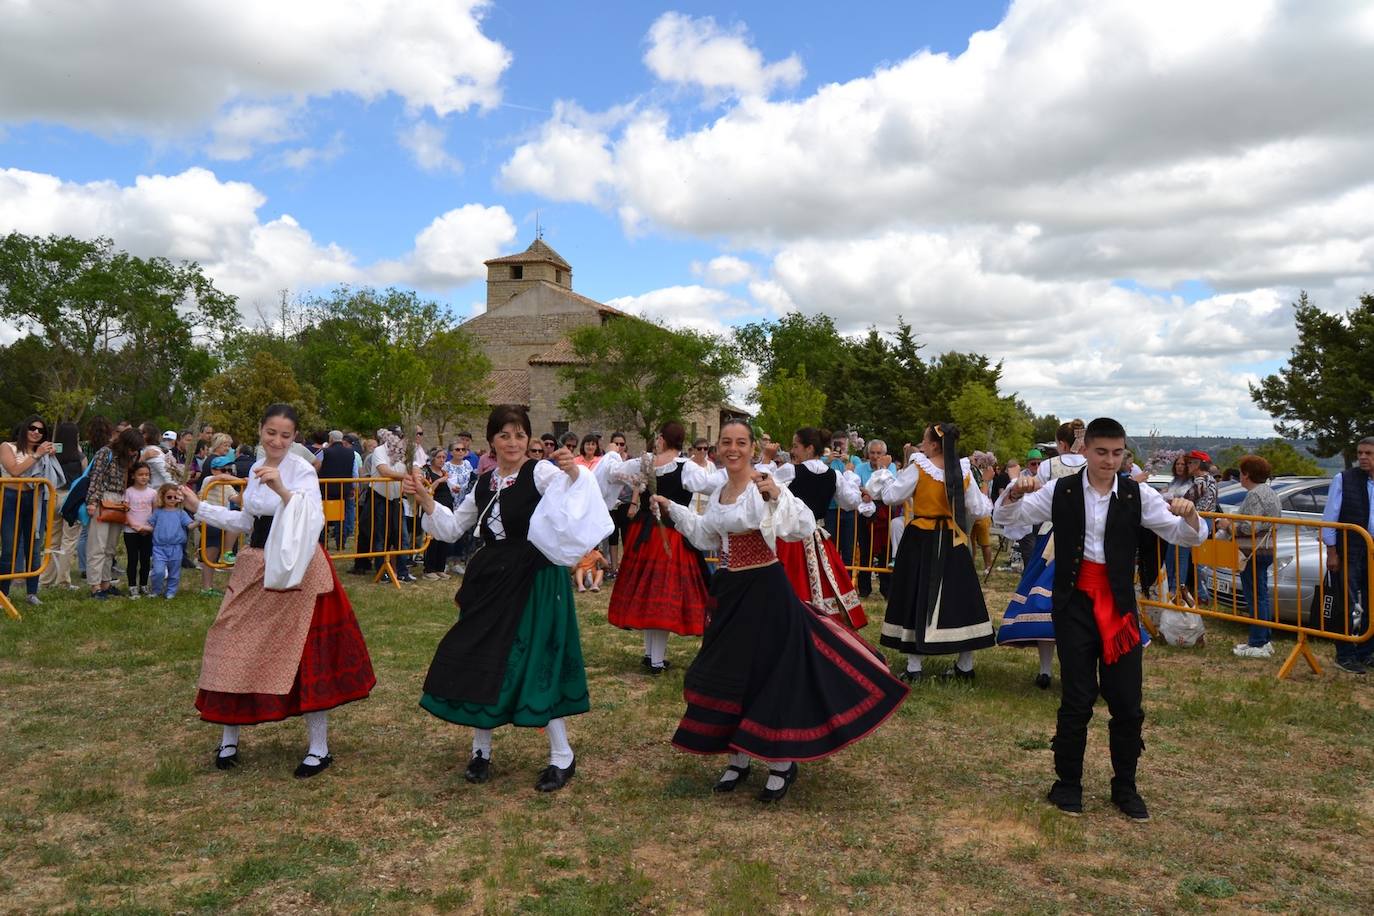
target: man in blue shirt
1351 500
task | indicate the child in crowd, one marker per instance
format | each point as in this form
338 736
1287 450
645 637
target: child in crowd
590 571
138 528
169 525
219 465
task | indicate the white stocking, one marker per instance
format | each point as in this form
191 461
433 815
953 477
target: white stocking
229 741
1046 656
649 644
775 768
481 742
965 661
560 751
658 647
913 663
317 727
735 760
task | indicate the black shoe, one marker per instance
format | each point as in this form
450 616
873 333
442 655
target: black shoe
911 677
306 770
479 769
1353 666
1042 681
729 785
1131 804
554 778
226 763
788 776
646 662
953 673
1067 798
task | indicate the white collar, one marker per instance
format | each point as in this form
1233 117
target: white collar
816 465
1089 488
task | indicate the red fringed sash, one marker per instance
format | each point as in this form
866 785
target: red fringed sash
1120 632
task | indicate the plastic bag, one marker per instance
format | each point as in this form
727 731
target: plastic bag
1180 628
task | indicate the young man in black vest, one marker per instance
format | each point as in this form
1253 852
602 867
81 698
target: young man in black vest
1098 516
1351 500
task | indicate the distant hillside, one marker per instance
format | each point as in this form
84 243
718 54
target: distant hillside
1213 445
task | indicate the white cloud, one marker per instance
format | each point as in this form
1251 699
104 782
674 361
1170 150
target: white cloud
450 250
698 52
146 67
241 128
995 196
698 308
196 216
426 143
304 157
568 161
724 270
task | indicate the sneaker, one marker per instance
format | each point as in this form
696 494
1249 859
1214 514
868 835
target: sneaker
1245 650
1351 666
407 577
133 592
168 597
229 559
33 599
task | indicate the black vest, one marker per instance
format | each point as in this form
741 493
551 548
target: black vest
1119 538
1354 498
670 486
816 490
517 503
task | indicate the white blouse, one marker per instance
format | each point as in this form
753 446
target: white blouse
785 518
847 483
570 520
897 489
297 475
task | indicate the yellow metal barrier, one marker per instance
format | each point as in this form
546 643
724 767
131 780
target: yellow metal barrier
1295 582
23 530
379 529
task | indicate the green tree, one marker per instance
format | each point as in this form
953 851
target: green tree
1044 427
793 341
989 422
1284 460
1327 389
234 399
638 375
142 332
788 403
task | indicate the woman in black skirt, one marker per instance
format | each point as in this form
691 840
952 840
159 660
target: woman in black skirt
936 605
775 679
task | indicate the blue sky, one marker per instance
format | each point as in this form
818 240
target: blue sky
1118 202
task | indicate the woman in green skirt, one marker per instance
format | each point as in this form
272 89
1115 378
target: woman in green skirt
514 656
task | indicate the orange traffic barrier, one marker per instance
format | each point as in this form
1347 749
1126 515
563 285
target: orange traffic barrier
30 508
380 524
1302 598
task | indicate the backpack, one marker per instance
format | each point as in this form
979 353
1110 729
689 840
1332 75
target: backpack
76 497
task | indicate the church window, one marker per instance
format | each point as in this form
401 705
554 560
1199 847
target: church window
558 276
517 272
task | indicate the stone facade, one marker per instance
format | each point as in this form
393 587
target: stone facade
531 309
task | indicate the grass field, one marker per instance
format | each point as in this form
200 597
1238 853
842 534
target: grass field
1261 791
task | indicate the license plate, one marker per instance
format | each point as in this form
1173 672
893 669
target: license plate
1222 586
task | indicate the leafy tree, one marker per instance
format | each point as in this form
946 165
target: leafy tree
638 375
1044 427
1327 389
234 399
458 368
1283 458
793 341
142 332
987 421
788 403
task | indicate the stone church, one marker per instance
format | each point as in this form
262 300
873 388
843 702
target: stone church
531 308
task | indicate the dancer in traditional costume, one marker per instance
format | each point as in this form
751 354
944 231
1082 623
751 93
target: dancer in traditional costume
775 679
285 642
1098 516
514 657
662 584
936 604
813 565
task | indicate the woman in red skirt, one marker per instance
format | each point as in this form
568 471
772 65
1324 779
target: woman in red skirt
813 565
661 587
285 642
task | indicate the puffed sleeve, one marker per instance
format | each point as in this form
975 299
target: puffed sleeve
624 471
894 489
296 527
785 474
697 479
785 518
450 524
571 517
694 528
847 486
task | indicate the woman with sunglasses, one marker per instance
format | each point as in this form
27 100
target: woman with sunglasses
21 518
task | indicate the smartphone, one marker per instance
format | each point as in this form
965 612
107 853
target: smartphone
57 447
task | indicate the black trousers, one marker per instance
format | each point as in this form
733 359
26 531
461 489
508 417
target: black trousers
1084 677
873 550
139 546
